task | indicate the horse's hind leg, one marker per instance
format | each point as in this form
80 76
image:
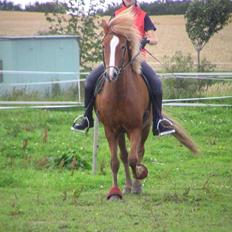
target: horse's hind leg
124 158
115 192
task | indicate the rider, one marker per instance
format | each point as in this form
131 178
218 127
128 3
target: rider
161 125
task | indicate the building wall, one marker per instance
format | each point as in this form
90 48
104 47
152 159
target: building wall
38 59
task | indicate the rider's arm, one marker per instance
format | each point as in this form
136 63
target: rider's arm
150 31
152 37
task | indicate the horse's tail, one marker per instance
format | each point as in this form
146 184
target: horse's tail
184 138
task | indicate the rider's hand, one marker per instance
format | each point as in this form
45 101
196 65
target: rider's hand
144 42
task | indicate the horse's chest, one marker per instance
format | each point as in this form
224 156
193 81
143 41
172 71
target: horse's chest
119 111
119 105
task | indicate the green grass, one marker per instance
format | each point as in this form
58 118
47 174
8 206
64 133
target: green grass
182 192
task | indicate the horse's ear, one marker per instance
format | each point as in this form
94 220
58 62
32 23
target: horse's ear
105 26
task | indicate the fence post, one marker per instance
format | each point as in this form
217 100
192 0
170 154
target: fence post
1 69
79 90
95 145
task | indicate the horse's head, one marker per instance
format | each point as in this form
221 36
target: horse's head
116 54
120 45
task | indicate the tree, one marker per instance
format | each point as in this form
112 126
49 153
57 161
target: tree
58 7
9 6
82 22
204 19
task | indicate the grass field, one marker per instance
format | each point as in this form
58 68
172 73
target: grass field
182 192
171 33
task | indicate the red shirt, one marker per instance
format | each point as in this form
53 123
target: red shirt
142 21
139 18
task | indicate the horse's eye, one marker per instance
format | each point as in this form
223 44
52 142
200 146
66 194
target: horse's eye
123 47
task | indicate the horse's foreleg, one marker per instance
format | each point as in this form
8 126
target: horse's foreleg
135 139
124 158
141 150
137 184
114 192
138 169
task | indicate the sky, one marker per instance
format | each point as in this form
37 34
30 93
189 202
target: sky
25 2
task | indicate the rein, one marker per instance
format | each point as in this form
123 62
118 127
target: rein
153 56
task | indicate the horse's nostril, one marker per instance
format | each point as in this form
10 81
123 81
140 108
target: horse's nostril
105 75
115 75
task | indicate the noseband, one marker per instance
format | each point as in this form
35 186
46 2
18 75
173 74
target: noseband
117 70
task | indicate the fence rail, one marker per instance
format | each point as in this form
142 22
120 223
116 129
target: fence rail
219 76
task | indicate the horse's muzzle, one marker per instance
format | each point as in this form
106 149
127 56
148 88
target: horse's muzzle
111 73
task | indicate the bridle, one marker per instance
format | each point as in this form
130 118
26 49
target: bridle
117 70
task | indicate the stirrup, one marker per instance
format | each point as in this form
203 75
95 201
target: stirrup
171 131
80 118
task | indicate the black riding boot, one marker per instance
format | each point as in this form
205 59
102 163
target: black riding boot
161 125
86 121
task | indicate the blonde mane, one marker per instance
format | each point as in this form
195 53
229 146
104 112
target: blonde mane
123 24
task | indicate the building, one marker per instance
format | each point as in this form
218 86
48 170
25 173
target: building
37 63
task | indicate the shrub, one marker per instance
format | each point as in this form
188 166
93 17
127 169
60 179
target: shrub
177 87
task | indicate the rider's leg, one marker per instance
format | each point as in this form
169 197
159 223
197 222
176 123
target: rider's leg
161 126
90 83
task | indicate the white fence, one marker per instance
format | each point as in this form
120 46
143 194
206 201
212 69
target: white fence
223 76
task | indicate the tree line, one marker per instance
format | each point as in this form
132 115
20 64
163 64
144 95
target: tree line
49 7
153 8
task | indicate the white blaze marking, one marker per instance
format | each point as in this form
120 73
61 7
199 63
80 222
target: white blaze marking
113 44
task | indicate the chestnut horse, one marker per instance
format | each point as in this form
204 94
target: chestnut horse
123 105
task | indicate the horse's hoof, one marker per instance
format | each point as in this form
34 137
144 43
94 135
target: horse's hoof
137 189
141 171
126 190
114 194
114 198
